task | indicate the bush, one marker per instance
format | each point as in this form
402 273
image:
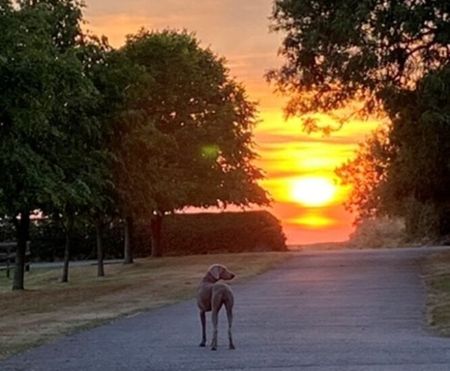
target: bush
377 233
228 232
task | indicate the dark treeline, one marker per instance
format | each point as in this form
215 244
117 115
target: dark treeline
385 57
92 136
182 234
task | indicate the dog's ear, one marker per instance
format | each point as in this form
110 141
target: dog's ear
215 271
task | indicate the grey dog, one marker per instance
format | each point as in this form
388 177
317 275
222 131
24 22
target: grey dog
211 295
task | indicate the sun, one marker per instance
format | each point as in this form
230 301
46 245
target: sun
313 191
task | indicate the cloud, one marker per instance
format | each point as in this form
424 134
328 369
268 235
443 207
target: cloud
272 139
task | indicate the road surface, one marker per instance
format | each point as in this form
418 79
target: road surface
330 311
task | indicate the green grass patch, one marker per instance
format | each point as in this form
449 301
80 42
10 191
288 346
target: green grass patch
441 283
436 270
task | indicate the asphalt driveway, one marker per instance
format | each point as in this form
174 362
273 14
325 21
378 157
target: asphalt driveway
347 310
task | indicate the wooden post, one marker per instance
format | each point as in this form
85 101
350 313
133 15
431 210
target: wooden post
8 256
27 257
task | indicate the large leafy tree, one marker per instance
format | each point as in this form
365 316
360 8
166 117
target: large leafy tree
80 151
192 100
405 170
115 80
44 120
138 152
419 174
339 51
101 67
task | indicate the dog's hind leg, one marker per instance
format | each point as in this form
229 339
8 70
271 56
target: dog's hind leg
229 308
215 322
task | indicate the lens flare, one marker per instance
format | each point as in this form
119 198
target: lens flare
210 152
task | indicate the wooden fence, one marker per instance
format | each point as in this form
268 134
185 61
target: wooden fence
8 256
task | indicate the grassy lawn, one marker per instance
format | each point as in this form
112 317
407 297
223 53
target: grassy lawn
437 279
48 309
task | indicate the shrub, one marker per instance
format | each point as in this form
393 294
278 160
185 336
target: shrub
377 233
209 233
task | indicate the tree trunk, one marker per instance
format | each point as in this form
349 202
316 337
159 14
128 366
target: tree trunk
156 225
65 274
100 251
22 229
128 241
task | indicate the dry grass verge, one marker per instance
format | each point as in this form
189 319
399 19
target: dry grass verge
378 233
48 308
437 278
322 246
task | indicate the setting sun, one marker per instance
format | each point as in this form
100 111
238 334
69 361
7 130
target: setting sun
313 192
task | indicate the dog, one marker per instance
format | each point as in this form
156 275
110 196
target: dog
211 295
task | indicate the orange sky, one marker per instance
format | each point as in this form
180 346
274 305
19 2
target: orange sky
238 30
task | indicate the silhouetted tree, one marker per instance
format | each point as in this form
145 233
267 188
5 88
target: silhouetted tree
340 51
192 100
46 152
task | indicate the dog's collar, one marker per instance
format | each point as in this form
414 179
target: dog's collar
210 278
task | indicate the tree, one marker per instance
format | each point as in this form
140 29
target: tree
419 174
26 60
405 170
141 168
340 51
192 100
139 152
114 78
44 119
79 152
365 173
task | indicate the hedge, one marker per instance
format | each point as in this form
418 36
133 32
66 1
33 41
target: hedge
209 233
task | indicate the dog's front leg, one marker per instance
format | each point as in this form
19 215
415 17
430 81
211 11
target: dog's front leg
203 321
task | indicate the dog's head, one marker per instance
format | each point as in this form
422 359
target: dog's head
220 272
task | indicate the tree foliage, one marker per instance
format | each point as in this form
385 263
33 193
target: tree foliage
47 105
406 171
49 137
420 173
340 51
365 172
192 99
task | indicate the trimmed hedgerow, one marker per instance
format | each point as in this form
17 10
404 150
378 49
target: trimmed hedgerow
208 233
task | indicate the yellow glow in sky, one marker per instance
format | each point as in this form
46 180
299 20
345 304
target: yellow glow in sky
312 221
